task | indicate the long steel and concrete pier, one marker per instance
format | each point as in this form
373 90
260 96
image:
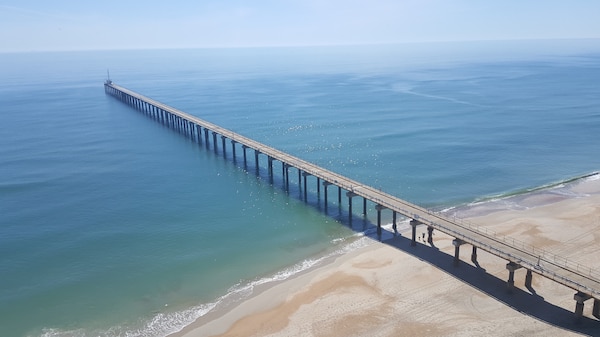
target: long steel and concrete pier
585 281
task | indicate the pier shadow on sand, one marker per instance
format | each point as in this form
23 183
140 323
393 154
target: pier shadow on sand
528 303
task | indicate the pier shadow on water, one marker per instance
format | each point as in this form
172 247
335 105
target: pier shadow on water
528 303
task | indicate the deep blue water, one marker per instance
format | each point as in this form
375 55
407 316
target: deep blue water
113 225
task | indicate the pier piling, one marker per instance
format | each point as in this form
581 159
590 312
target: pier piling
350 195
414 223
223 138
457 243
580 298
474 255
510 284
325 184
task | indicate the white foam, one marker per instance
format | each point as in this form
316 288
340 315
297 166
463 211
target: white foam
163 324
446 210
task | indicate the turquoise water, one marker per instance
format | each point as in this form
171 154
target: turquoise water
113 225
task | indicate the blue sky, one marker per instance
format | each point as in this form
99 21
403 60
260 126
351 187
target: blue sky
34 25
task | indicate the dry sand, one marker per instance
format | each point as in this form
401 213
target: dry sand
392 289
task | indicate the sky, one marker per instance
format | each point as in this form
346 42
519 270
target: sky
42 25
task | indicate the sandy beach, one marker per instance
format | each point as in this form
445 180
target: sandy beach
392 289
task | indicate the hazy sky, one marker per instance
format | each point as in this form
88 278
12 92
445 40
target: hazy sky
27 25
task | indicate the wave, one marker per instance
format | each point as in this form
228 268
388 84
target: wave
408 90
520 199
162 324
554 185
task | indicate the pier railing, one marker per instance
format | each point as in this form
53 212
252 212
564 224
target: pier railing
544 255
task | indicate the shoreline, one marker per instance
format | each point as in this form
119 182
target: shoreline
273 292
385 289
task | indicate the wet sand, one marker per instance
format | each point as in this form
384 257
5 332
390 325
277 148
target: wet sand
392 289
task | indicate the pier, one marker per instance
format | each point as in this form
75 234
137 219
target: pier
518 255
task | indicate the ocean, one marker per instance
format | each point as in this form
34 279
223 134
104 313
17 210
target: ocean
112 224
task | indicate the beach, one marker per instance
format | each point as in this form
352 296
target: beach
392 289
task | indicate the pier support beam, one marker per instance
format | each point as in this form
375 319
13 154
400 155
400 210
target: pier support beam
198 133
215 141
528 278
304 175
365 207
394 227
430 235
580 298
474 255
233 142
319 188
325 184
244 147
379 208
511 266
223 138
414 223
256 162
286 174
596 309
350 196
270 168
457 243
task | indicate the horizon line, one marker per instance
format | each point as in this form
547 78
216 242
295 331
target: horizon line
266 46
